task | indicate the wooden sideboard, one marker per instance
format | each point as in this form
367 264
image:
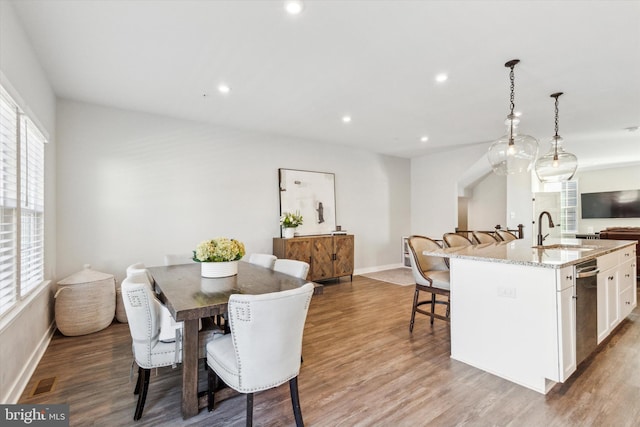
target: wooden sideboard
329 256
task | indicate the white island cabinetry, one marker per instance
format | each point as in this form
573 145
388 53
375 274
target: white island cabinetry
608 315
515 321
627 283
513 306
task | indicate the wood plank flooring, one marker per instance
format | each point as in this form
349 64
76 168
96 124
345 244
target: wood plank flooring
361 367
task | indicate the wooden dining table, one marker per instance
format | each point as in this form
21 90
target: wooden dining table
191 297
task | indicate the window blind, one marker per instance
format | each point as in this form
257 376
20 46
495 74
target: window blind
21 204
31 206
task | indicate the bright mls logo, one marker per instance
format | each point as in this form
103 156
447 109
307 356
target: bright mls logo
34 415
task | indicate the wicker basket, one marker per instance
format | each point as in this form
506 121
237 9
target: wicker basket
85 302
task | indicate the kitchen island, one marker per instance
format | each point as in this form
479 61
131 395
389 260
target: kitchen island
513 305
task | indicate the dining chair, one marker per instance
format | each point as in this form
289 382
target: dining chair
505 235
156 335
292 267
263 260
169 328
453 240
484 237
177 259
143 314
264 347
431 275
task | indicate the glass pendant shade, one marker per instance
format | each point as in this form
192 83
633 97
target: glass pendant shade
512 153
557 165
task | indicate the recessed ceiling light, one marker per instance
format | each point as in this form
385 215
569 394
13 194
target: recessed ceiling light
223 88
424 139
442 77
346 119
293 7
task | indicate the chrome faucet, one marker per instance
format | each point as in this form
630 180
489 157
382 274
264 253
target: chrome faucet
540 236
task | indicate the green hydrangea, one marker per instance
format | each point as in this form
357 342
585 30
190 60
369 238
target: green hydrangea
220 249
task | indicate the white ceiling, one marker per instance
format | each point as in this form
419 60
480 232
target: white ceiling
374 60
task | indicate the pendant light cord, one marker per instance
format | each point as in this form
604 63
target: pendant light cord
555 138
513 105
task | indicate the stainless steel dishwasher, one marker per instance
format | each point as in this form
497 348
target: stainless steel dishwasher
586 309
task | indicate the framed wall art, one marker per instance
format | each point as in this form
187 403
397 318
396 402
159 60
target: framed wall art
312 194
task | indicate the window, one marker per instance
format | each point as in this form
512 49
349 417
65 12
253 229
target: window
21 204
569 207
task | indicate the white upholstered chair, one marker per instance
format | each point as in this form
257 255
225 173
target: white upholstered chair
292 267
169 328
264 347
177 259
431 275
143 314
161 335
263 260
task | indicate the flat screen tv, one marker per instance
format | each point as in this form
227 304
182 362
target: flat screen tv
611 204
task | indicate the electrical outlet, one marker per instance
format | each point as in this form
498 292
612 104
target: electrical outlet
506 292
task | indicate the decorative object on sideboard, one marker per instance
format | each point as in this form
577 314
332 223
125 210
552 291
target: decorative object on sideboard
557 165
289 222
312 195
512 153
219 257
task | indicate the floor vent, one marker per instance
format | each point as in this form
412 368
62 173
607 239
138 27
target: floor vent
43 386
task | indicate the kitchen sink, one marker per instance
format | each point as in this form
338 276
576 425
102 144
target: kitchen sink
566 247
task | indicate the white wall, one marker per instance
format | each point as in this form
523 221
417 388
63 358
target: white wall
610 179
488 204
434 189
520 204
133 187
25 331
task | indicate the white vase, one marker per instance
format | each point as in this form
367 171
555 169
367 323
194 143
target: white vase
219 269
288 232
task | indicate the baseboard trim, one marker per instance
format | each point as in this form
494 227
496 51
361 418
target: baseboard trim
17 388
377 268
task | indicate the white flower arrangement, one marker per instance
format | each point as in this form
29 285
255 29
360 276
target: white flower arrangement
290 220
221 249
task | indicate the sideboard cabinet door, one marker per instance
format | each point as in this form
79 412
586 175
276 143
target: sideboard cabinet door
321 258
343 248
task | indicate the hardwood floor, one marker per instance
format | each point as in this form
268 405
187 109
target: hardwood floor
361 367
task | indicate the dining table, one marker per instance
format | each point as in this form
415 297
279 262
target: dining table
191 297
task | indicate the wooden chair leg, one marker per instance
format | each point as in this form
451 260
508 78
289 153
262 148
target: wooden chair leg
295 401
212 380
249 409
433 306
413 310
143 394
138 381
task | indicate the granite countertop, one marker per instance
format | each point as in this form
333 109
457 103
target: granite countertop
573 251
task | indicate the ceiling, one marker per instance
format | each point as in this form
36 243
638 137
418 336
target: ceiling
376 60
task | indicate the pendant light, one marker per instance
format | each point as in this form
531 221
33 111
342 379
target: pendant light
557 165
512 153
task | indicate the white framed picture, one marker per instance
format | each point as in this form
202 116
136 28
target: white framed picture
312 195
